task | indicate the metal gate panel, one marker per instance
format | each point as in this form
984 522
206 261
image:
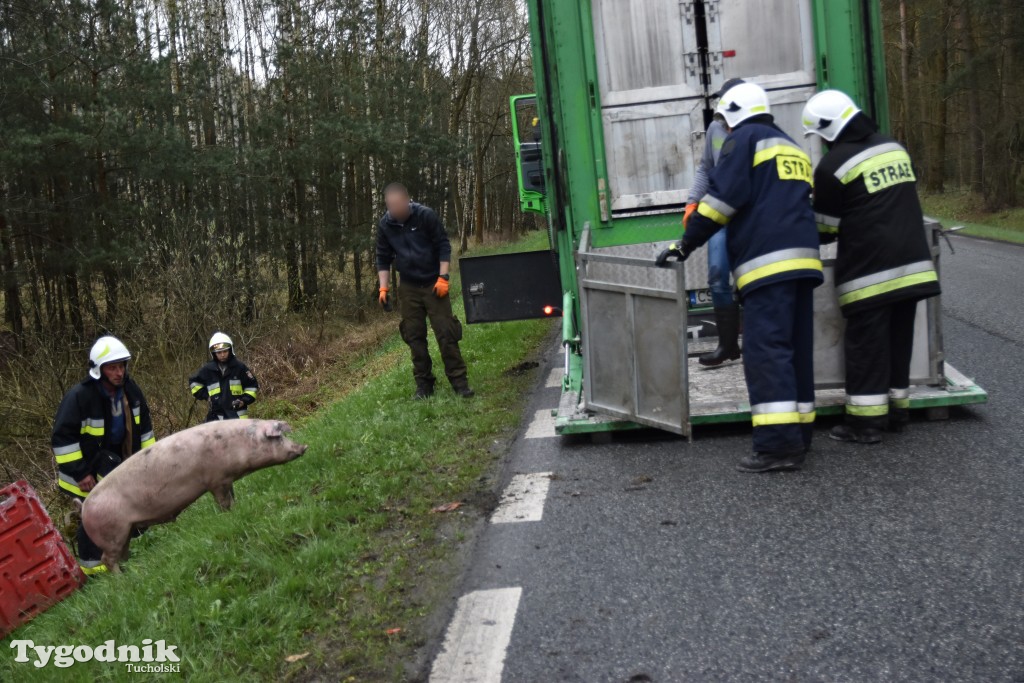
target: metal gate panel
658 278
768 42
646 51
649 74
634 331
926 365
651 152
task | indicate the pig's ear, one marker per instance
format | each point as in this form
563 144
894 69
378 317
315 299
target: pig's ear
275 430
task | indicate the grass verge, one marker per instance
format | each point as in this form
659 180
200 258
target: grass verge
322 558
961 208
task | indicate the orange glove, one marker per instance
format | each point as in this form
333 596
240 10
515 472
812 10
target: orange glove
441 288
690 208
382 296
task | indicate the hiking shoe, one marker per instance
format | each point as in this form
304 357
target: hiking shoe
423 392
848 434
464 391
771 462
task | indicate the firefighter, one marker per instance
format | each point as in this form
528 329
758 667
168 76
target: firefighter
411 236
727 311
225 382
865 195
101 421
761 188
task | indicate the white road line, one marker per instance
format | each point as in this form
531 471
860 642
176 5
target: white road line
555 378
542 425
477 638
523 500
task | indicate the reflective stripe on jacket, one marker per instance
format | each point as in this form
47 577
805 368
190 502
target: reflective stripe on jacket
865 194
81 429
761 188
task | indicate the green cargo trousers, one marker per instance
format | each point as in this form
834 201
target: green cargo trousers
416 304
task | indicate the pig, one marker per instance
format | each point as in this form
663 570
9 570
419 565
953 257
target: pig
157 483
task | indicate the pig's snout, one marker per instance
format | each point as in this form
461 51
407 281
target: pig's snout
297 449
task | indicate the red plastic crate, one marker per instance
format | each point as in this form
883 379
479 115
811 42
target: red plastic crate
36 567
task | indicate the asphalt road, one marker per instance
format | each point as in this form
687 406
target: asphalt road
656 561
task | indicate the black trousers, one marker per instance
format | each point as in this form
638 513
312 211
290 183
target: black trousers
416 305
879 344
778 362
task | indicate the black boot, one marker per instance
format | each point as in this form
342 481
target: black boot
463 390
771 462
898 419
849 434
423 391
728 322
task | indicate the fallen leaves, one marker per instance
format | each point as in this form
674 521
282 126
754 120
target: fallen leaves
448 507
294 658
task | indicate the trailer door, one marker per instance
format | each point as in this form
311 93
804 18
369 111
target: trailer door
768 42
652 99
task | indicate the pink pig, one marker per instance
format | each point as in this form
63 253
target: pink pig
157 483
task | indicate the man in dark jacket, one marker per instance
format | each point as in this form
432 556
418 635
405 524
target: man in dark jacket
101 421
225 381
410 237
865 193
761 188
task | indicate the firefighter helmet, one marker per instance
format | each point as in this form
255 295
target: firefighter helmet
106 350
742 102
727 86
220 342
827 113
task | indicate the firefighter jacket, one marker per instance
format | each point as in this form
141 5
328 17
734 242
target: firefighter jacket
222 386
81 431
865 194
761 188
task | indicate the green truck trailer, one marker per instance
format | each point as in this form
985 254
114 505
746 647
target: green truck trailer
606 150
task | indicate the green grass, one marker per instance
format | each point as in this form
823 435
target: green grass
961 208
323 555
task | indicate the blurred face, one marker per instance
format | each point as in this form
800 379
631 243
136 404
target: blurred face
222 356
113 373
398 204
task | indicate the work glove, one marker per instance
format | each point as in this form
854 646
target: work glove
690 208
679 253
441 288
237 404
384 298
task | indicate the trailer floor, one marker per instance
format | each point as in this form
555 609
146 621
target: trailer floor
719 395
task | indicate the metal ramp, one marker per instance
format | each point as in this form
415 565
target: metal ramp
635 323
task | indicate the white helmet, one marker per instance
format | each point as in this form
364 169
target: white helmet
743 101
220 342
827 113
106 350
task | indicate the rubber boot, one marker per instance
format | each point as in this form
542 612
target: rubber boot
728 321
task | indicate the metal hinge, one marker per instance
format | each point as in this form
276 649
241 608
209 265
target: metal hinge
688 10
711 10
715 62
692 62
476 289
